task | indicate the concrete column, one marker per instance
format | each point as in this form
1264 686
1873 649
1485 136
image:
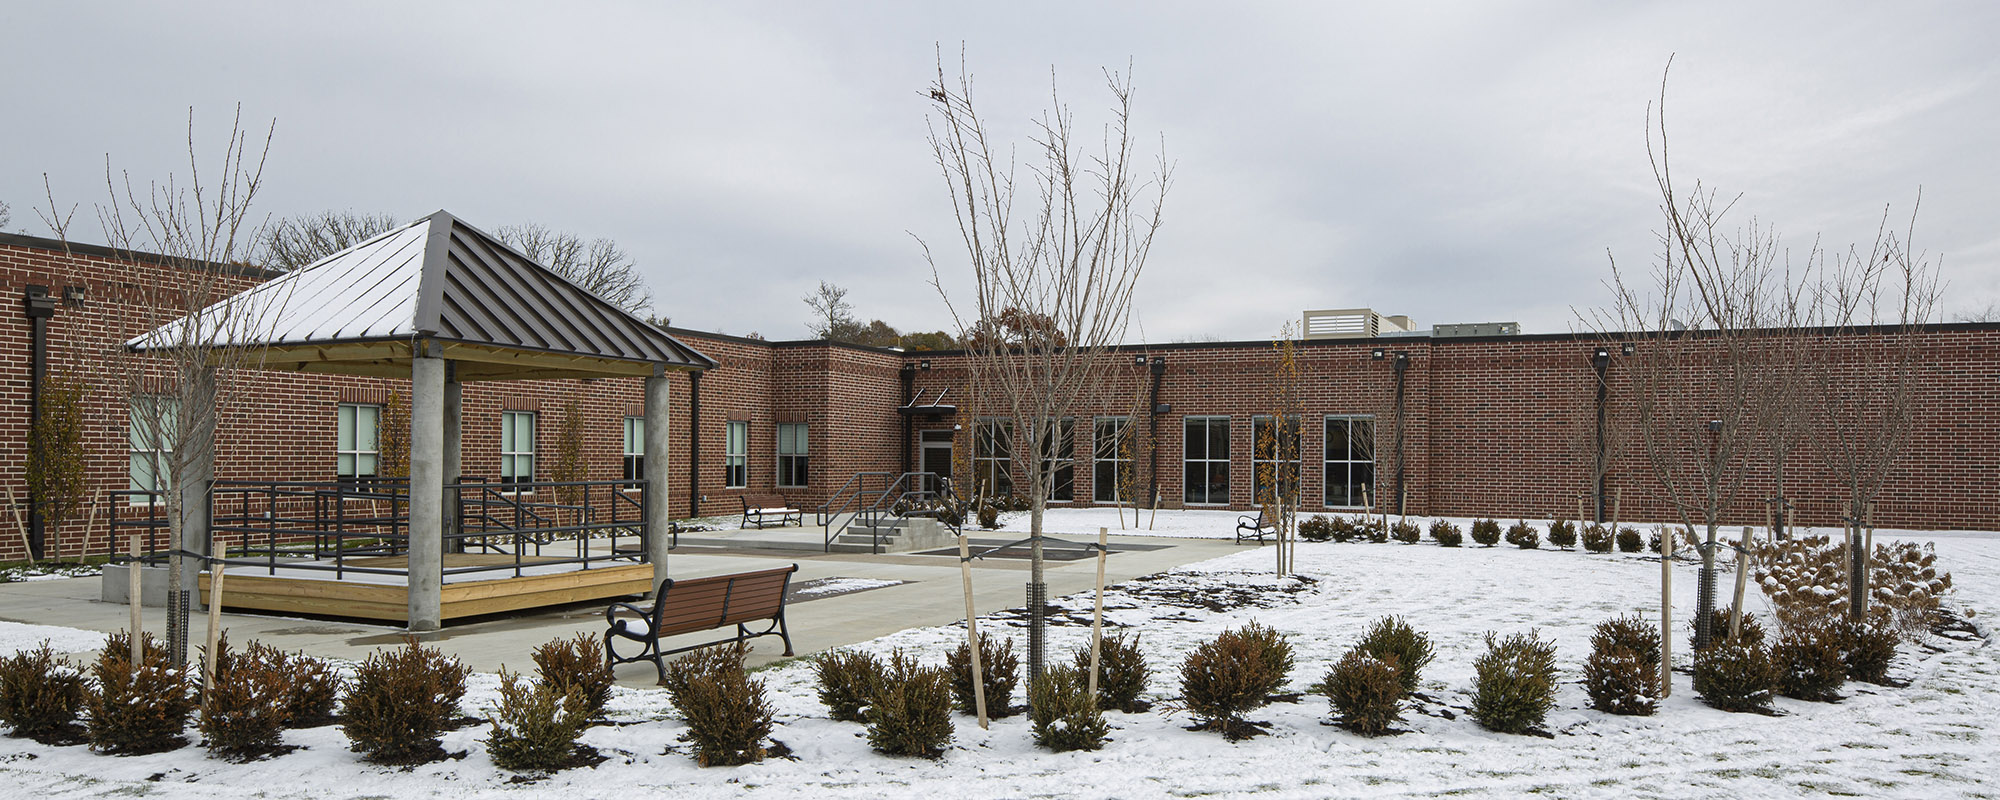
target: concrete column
427 452
193 485
656 475
454 461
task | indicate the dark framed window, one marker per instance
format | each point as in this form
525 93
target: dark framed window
1350 460
792 454
1059 461
993 457
1205 461
1113 467
736 454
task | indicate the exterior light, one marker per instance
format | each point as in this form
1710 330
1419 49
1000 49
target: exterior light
1377 354
1625 350
1139 360
1714 426
924 364
1601 358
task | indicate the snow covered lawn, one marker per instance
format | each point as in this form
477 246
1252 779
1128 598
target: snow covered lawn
1928 740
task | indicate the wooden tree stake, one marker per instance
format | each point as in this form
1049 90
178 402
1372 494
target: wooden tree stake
1666 614
1097 616
1742 579
132 588
972 630
216 547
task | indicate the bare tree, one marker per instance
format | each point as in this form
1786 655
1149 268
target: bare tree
6 214
1277 447
832 315
1991 313
298 242
1073 259
598 266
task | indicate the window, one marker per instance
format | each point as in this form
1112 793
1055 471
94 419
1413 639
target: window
736 454
1350 460
1114 459
792 454
150 445
993 457
635 450
1205 472
1059 461
356 454
1275 454
517 446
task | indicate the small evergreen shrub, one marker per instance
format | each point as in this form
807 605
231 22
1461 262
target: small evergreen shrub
727 713
848 681
1233 673
999 670
1562 533
1629 541
1597 538
911 712
1316 528
244 715
140 708
1121 672
1752 632
1342 529
1486 532
1365 691
1808 661
536 725
1371 529
1064 715
577 664
989 516
1868 649
401 701
1622 675
1446 534
1515 683
313 689
41 695
1524 536
1396 643
1630 632
1405 531
1735 675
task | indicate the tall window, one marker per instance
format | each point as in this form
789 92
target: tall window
1275 454
517 446
993 457
356 454
736 454
792 454
1350 460
635 449
1059 461
1206 469
1114 459
149 438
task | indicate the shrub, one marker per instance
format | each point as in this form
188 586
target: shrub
1235 672
1486 532
1868 649
727 714
1622 675
1446 534
1807 577
1808 663
139 708
1064 715
911 712
1515 683
1524 536
1735 675
1122 672
999 670
951 514
536 725
1562 533
1630 542
1401 646
1719 627
1342 529
1405 531
989 516
1597 538
848 681
1316 528
312 691
245 712
1365 691
401 701
577 665
1371 529
41 696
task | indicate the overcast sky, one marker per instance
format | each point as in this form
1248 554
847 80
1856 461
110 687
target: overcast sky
1453 162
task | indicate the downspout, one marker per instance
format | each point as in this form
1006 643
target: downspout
1159 367
1601 360
909 385
38 306
694 444
1402 368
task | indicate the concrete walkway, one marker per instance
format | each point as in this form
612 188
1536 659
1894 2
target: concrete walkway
931 594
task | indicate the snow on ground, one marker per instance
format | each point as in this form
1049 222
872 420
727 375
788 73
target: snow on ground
1175 523
18 636
1927 740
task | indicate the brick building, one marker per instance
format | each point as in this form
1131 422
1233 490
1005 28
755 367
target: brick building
1489 425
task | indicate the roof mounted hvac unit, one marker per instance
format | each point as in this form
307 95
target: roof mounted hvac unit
1352 323
1463 329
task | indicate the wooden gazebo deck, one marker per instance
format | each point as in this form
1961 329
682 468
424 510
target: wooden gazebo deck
385 597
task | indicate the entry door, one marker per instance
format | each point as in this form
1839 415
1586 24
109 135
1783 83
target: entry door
936 450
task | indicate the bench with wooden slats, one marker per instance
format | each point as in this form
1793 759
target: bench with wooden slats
761 510
693 605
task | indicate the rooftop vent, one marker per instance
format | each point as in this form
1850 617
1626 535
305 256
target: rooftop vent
1352 323
1459 329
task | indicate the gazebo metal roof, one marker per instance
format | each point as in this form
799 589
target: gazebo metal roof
445 285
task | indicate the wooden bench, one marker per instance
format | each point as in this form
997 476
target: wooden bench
1256 525
759 509
700 604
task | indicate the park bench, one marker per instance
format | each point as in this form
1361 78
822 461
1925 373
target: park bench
1255 525
759 510
693 605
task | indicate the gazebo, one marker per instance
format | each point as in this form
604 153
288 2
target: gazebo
444 304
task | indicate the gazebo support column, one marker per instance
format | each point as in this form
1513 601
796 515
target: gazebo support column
655 460
454 462
427 467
